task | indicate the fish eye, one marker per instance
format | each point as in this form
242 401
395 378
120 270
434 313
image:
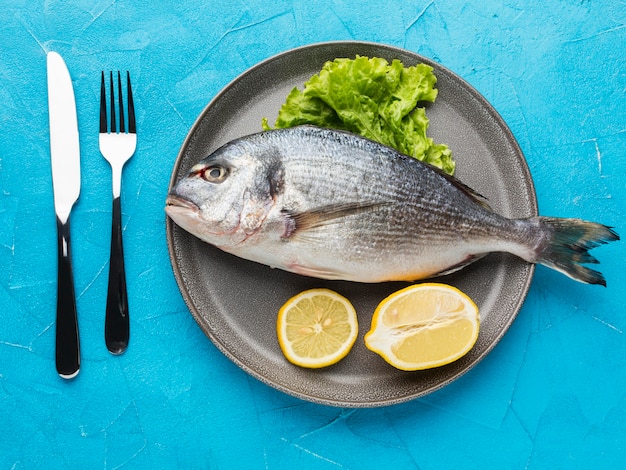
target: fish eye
214 174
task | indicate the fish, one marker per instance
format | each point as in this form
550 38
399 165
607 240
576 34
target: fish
333 205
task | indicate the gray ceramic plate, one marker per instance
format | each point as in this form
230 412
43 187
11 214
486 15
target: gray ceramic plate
235 302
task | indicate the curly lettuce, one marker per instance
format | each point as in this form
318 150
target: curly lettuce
372 98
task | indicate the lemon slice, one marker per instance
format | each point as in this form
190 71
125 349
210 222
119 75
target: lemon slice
423 326
316 328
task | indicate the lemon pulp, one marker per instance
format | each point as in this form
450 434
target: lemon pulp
423 326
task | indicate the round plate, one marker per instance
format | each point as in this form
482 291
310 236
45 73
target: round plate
235 301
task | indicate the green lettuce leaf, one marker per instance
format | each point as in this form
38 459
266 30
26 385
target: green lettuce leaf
370 97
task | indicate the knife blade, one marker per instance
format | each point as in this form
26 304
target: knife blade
65 162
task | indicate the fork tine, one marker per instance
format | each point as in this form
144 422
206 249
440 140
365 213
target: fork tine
132 127
113 124
103 106
131 106
121 103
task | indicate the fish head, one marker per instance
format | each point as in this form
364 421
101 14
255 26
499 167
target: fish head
225 198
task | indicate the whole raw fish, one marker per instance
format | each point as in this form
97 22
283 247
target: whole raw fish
333 205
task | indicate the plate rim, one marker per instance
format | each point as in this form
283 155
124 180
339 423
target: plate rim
179 276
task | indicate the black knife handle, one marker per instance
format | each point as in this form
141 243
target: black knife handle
116 323
67 342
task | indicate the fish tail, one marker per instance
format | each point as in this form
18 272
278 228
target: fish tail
569 245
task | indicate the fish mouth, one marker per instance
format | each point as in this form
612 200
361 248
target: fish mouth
175 201
179 208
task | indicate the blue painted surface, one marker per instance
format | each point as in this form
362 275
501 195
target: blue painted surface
551 395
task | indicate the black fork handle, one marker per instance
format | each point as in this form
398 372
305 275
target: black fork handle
67 341
116 324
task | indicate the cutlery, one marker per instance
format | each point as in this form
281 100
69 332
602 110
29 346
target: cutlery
65 161
117 146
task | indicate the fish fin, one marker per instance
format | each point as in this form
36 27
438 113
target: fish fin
568 248
465 189
318 272
299 222
457 267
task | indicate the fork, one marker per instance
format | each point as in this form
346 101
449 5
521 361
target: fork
117 147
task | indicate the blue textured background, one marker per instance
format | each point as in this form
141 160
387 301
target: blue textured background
551 395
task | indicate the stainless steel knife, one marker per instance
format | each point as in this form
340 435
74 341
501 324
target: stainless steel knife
65 159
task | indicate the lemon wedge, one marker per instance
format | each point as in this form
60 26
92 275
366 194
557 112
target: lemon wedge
316 328
424 326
